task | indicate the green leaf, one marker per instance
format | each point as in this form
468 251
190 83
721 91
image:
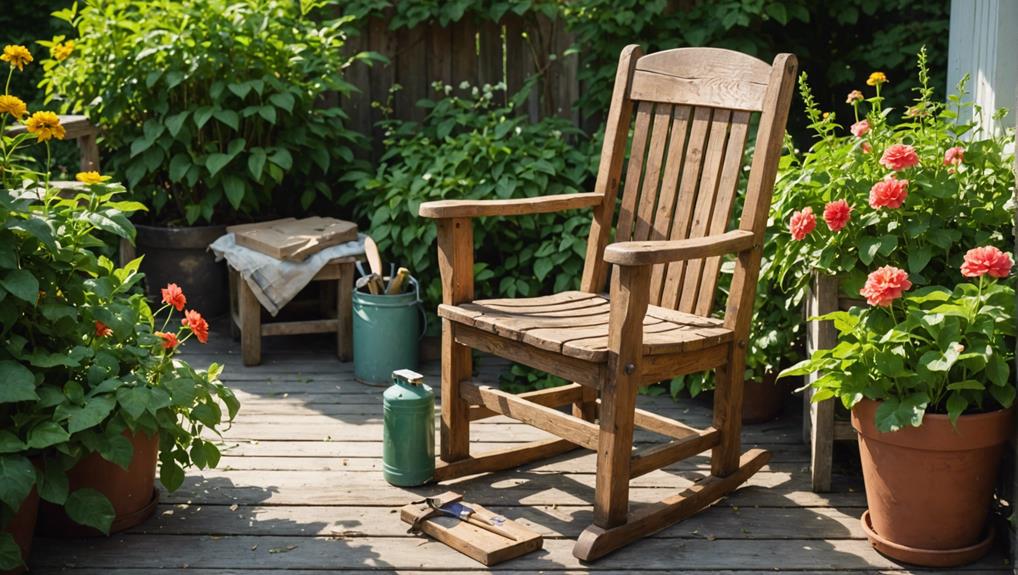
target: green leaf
10 552
52 482
956 404
228 117
918 258
18 383
282 158
212 455
240 89
207 413
17 476
868 247
89 507
182 391
9 443
117 449
216 162
1004 394
941 362
133 400
268 113
998 370
282 100
542 267
92 414
256 162
179 166
235 189
22 284
46 434
175 122
170 474
202 115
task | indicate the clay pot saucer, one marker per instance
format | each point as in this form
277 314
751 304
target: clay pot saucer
927 557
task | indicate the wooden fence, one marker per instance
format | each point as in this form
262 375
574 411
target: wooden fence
479 52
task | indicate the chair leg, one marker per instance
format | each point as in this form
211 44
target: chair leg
618 411
586 407
344 312
728 413
455 427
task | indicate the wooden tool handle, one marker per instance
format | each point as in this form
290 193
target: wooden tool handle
396 285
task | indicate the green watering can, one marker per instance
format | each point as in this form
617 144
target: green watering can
408 424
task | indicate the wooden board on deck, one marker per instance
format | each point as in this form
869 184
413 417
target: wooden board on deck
293 239
300 492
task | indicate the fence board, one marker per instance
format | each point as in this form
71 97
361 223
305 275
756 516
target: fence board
478 52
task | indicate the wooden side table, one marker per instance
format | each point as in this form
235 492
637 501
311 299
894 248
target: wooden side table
246 313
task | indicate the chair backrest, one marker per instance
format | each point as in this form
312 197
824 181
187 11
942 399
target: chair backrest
693 108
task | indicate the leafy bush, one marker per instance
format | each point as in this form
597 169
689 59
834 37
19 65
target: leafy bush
958 191
210 107
469 147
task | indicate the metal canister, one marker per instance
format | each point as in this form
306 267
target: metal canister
408 443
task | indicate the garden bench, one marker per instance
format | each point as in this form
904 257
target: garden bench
693 109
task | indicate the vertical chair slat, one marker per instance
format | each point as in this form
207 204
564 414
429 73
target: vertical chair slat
634 172
706 198
687 200
665 214
727 189
652 173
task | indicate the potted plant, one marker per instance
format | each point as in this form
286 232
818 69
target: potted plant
927 378
71 384
212 112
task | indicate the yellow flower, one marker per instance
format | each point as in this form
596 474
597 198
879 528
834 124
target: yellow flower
12 105
876 79
17 56
90 177
62 50
45 125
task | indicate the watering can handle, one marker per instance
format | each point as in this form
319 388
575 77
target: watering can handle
420 307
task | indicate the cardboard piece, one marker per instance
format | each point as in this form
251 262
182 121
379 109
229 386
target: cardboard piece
483 536
293 239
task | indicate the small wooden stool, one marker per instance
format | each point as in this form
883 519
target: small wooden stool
246 313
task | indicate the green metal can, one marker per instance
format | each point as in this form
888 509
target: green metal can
386 334
408 430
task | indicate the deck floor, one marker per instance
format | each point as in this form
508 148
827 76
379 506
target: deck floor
299 491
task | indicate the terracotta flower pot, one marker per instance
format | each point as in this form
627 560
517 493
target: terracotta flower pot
762 401
929 488
22 526
132 492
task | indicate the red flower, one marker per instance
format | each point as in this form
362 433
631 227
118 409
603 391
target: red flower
987 260
102 330
885 285
866 147
837 214
169 339
888 193
197 324
954 156
173 295
899 157
802 223
860 128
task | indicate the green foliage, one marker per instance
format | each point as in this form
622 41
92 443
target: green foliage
212 108
949 208
947 354
470 147
410 13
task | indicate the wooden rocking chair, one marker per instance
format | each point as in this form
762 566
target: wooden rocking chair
693 110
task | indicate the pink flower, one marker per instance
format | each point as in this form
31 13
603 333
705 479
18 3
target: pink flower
954 156
860 128
899 157
866 147
803 222
885 285
987 260
888 193
837 214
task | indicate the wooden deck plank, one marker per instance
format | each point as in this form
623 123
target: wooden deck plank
387 553
290 496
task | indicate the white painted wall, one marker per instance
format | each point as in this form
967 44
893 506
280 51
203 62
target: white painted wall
983 43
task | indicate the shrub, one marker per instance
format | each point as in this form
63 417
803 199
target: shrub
915 202
210 107
469 147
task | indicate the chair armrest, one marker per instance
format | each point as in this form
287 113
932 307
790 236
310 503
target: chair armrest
514 207
659 252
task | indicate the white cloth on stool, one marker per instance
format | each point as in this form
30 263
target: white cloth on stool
276 282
